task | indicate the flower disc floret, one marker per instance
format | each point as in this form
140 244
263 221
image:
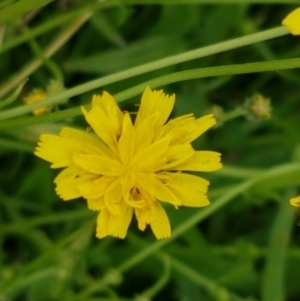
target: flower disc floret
130 167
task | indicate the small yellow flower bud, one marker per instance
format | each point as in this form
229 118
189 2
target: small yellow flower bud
292 22
258 107
295 201
34 96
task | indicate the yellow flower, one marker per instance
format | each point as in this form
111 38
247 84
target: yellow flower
134 165
34 96
295 201
292 22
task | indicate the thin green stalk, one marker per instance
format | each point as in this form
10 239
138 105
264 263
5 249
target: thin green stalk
39 53
47 219
136 90
55 45
9 100
19 8
209 285
158 64
215 290
233 114
238 172
30 268
55 21
273 277
161 282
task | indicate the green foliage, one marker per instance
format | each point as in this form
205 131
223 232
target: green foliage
245 245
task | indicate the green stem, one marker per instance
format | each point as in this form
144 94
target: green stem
19 8
136 90
39 53
209 285
13 97
233 114
55 45
158 64
273 277
162 281
55 21
238 172
217 291
47 219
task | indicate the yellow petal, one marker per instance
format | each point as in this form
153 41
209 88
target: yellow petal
58 149
118 224
149 158
95 189
108 105
96 204
201 161
114 225
100 165
152 185
102 223
177 154
160 223
127 140
103 127
68 181
295 201
144 133
190 190
292 22
87 143
155 103
187 128
113 197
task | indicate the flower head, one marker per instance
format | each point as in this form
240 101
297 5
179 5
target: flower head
134 166
258 107
295 201
292 22
34 96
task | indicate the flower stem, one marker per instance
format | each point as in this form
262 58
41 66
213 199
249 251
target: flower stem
136 90
19 8
158 64
61 39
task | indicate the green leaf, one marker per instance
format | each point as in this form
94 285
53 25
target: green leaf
20 8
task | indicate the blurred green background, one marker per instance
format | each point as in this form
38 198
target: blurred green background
246 247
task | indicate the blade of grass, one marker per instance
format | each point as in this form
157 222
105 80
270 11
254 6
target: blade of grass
155 65
136 90
55 45
273 278
54 21
19 8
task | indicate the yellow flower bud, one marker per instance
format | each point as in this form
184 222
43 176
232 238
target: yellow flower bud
34 96
292 22
295 201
